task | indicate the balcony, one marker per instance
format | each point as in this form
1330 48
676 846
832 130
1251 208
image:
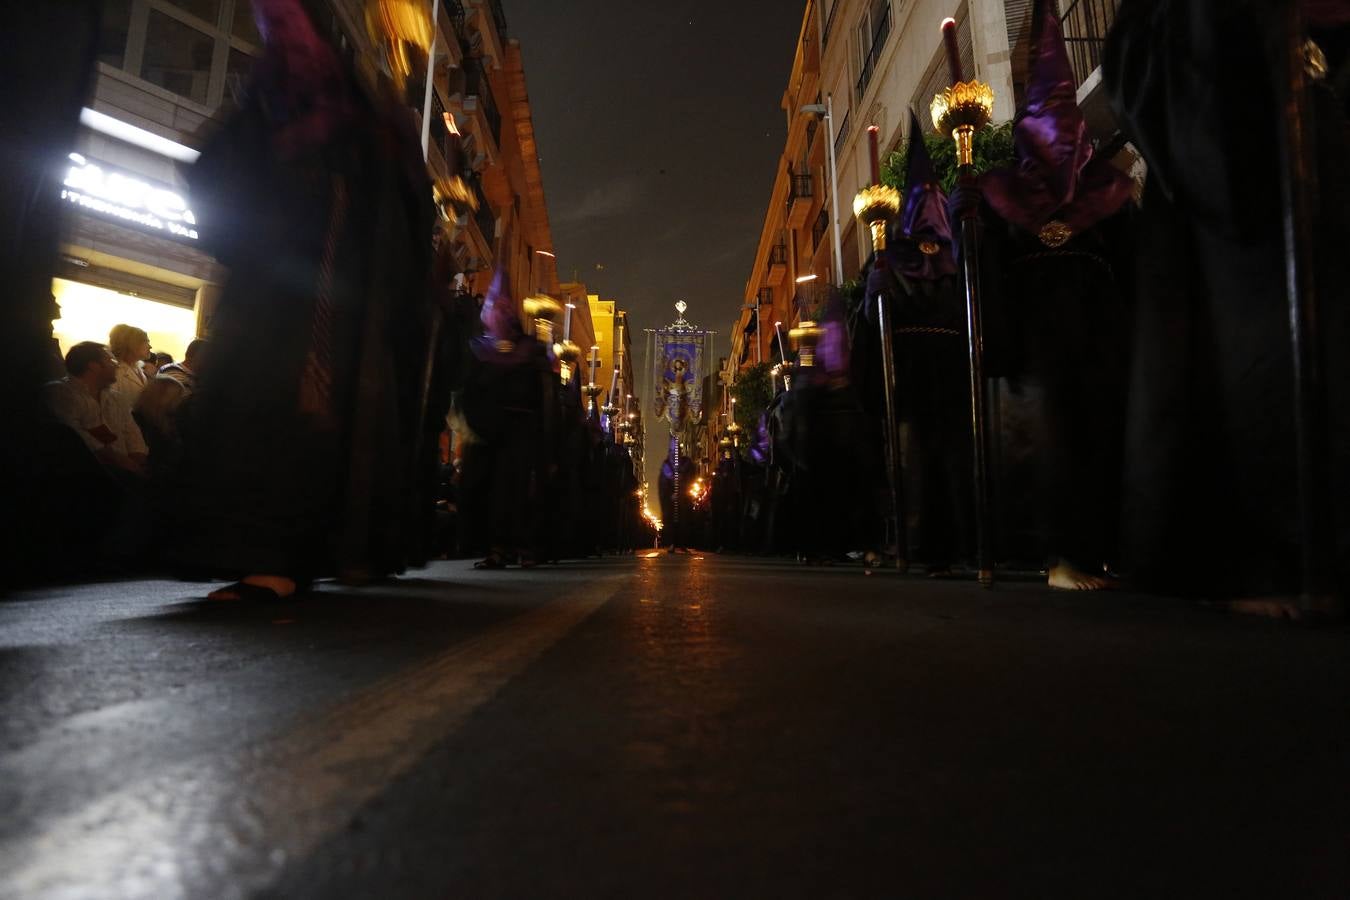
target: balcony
800 193
878 44
482 233
777 264
829 22
821 226
450 21
479 119
841 137
485 24
1086 24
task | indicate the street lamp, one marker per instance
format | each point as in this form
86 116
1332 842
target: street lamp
826 111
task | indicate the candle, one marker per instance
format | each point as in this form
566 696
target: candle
567 322
953 50
595 361
874 152
778 330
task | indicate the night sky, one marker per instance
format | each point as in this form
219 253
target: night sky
659 133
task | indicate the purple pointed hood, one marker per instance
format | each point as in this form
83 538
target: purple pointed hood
924 220
761 449
503 335
1056 177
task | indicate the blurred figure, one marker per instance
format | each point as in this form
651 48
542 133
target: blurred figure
917 272
48 55
1211 479
1058 226
322 209
508 404
829 446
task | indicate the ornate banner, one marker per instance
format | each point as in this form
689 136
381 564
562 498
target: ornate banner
680 361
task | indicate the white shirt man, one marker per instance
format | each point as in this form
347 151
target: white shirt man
86 401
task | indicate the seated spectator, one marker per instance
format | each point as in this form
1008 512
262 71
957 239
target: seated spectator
162 359
86 402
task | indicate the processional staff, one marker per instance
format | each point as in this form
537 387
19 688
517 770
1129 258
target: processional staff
958 112
877 206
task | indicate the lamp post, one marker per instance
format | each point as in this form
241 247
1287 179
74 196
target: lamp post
826 111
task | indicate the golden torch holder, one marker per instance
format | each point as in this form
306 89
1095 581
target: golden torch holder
544 311
877 206
569 354
805 337
959 112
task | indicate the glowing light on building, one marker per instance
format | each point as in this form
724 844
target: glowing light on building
95 187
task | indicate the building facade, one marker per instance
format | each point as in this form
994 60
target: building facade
169 71
868 62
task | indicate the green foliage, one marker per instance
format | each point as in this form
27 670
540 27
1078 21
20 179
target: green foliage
993 148
752 392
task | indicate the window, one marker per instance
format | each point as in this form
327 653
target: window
201 50
177 57
206 10
244 26
874 26
112 39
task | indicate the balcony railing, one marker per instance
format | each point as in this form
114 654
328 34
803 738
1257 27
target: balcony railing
476 84
801 187
841 136
441 136
882 32
486 219
778 255
829 21
819 228
499 17
1086 24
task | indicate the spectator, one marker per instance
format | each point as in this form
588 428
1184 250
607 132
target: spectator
131 346
85 401
157 408
162 359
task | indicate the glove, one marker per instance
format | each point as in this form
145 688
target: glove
965 200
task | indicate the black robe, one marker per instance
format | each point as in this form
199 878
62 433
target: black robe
280 478
932 393
1211 484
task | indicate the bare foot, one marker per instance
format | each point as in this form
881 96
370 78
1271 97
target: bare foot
1064 577
280 585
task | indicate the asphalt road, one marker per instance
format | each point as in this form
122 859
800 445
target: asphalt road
689 726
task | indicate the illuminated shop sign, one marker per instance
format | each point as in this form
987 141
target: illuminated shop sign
93 186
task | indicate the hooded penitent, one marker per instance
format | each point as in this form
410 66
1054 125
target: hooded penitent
1057 189
927 251
503 336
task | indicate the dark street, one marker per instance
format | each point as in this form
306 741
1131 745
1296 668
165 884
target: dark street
669 726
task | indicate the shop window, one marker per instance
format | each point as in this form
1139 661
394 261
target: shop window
177 57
